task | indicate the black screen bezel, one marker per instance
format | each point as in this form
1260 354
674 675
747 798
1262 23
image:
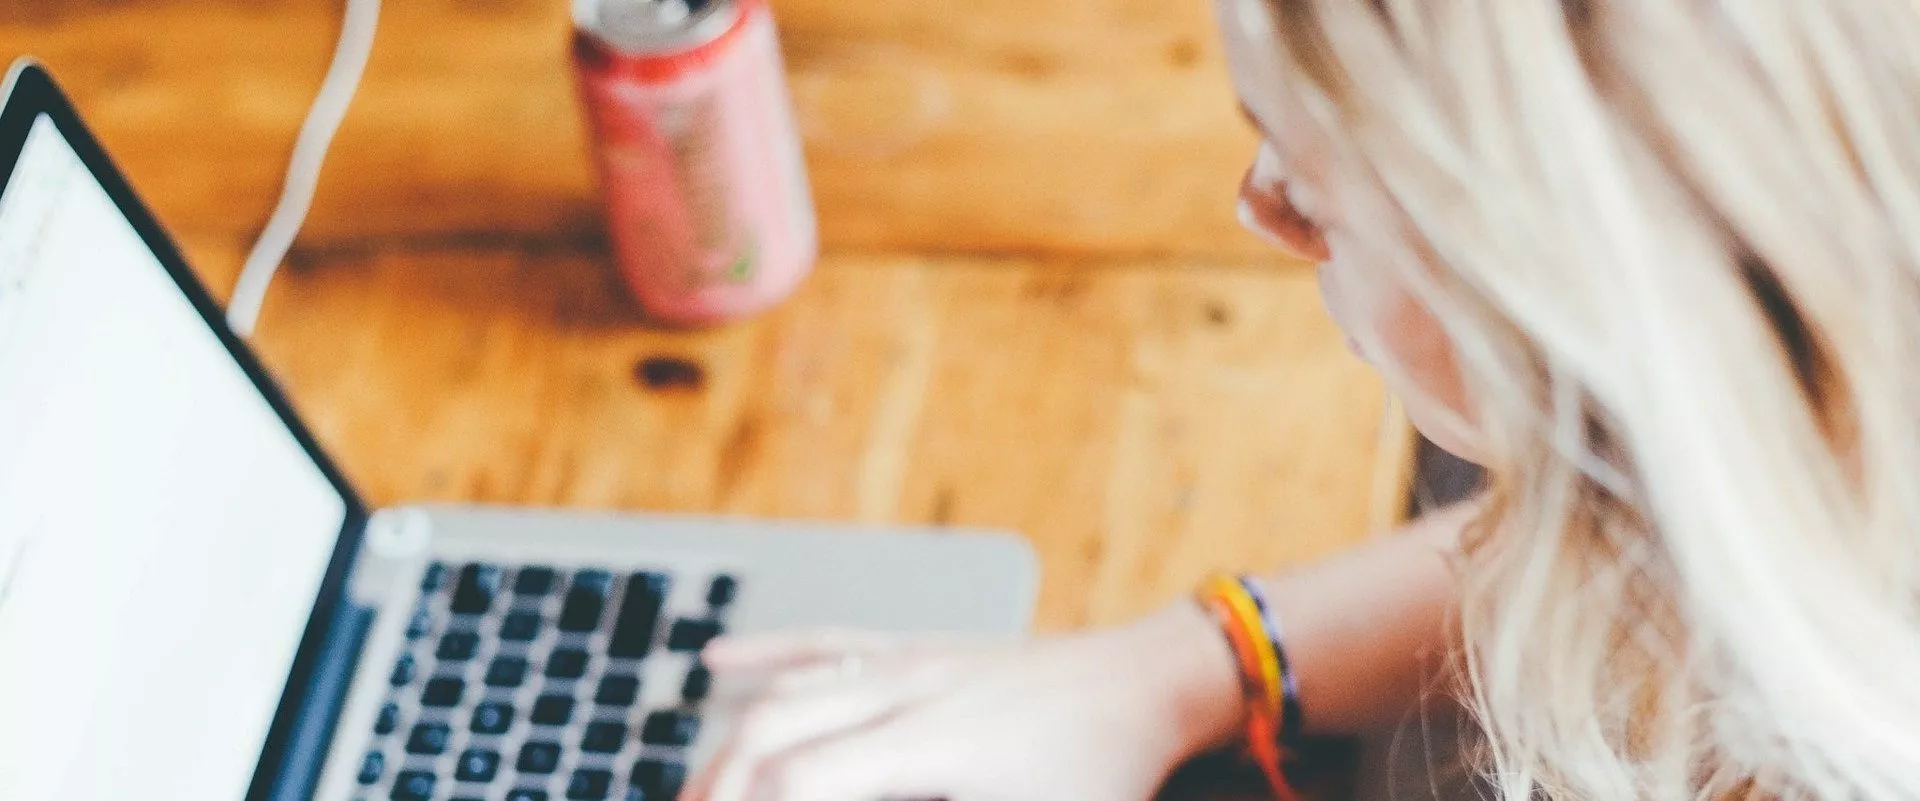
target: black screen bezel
34 93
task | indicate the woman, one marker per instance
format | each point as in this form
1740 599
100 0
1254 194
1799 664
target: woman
1656 266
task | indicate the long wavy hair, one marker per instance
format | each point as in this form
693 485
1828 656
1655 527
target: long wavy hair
1676 247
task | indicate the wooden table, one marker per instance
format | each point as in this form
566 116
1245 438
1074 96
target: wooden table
1035 310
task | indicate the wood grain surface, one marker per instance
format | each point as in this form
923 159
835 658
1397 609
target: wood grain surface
1035 310
1077 126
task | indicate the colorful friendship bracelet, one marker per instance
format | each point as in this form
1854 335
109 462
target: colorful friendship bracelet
1263 677
1290 717
1260 741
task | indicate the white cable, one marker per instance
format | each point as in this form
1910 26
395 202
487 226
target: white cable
303 172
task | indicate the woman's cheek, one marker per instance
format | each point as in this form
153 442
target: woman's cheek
1428 380
1338 299
1437 402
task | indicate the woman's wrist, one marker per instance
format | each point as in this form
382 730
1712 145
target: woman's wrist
1195 674
1367 632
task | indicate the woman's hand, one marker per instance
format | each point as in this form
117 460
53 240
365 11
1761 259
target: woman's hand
1100 716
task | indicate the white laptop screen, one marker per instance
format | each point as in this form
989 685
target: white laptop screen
163 535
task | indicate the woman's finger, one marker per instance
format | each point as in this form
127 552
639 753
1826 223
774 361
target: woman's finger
848 670
788 649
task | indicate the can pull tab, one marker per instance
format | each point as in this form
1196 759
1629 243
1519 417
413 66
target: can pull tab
672 12
638 16
645 26
693 7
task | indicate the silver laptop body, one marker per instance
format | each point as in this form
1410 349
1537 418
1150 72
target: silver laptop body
194 604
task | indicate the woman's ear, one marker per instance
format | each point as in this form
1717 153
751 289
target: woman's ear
1265 209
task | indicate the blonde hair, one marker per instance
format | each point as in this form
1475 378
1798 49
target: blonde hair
1676 246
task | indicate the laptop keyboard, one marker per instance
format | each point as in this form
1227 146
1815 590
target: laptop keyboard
537 683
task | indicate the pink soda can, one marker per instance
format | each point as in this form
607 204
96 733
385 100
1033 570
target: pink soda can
708 208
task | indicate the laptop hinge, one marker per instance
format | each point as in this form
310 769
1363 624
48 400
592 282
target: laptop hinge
394 548
306 749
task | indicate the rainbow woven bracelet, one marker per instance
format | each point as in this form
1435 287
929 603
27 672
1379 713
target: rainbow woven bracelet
1264 677
1290 721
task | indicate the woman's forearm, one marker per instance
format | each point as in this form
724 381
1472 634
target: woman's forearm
1366 631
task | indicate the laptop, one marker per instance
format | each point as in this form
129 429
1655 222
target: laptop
195 605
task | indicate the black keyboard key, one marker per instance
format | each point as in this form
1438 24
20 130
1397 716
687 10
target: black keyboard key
443 692
586 601
533 581
690 634
492 717
430 579
617 690
552 710
722 591
507 671
566 663
477 765
603 737
658 778
388 720
589 784
457 646
372 767
413 785
667 727
699 683
520 626
403 670
421 624
477 586
428 739
538 758
639 616
526 794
